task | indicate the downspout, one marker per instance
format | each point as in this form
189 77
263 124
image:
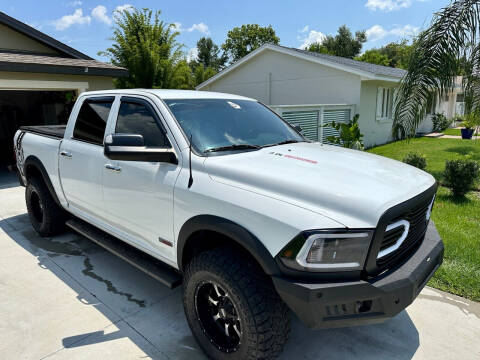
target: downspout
269 89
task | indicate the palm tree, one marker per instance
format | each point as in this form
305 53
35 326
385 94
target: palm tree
449 47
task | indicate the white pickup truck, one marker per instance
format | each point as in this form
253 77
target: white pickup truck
220 193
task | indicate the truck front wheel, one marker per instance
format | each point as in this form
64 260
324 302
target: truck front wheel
46 216
232 307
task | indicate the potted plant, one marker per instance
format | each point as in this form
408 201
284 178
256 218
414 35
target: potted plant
470 124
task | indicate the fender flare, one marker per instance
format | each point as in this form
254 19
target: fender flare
33 161
232 230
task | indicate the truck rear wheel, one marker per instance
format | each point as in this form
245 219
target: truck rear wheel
46 216
232 308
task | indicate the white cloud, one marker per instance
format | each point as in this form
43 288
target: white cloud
74 3
387 5
192 54
99 13
312 37
200 27
121 8
378 32
68 20
305 29
177 26
406 30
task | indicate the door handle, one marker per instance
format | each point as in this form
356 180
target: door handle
67 154
113 168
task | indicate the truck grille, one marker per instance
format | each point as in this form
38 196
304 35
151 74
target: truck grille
418 226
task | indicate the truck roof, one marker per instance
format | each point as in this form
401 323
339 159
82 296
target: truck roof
171 94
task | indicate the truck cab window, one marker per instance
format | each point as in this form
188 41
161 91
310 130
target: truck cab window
137 118
92 120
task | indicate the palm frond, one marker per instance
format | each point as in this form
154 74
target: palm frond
451 39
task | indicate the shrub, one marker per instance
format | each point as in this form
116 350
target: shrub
460 175
349 135
440 122
416 159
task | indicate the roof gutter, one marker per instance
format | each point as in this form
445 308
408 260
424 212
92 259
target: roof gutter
61 69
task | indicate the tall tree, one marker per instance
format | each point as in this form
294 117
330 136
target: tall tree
374 56
209 54
147 47
342 44
398 53
395 54
243 40
448 47
201 73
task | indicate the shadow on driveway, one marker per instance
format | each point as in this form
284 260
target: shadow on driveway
152 317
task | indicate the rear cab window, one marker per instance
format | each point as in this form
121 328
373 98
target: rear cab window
92 120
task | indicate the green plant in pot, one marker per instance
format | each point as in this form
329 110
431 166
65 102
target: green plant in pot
471 124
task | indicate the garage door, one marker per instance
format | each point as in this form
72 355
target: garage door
19 108
311 122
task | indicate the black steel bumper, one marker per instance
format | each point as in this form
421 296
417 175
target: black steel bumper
363 302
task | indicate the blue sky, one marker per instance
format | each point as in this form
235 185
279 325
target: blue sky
87 24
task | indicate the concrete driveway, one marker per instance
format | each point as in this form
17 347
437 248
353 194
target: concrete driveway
66 298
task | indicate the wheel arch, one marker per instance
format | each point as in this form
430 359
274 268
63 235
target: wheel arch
188 240
33 167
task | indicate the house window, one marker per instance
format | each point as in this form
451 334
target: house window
384 103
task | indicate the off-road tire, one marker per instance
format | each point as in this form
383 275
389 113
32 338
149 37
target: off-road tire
46 216
264 317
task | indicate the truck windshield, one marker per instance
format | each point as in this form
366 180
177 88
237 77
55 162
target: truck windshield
230 125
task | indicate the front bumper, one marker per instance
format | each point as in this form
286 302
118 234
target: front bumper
336 304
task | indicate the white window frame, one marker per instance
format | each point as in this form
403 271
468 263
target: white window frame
385 101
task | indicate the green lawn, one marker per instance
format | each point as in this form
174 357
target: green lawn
458 221
451 131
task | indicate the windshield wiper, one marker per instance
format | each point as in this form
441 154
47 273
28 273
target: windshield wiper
232 147
283 143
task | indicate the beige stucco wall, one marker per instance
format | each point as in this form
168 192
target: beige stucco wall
293 81
375 132
13 40
40 81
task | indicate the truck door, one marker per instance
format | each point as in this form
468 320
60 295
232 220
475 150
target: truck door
139 195
81 158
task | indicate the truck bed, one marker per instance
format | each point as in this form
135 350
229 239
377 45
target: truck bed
56 131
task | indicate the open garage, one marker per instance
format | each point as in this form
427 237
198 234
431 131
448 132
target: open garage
20 108
40 78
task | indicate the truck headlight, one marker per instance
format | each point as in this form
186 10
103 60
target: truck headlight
328 250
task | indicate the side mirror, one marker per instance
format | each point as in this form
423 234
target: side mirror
131 147
298 128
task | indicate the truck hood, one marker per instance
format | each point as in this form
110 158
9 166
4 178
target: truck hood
352 187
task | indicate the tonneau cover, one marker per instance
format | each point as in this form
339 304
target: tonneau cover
56 131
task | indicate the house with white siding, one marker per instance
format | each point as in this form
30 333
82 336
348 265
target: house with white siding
311 89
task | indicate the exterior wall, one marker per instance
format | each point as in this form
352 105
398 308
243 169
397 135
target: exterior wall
375 132
13 40
40 81
280 79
